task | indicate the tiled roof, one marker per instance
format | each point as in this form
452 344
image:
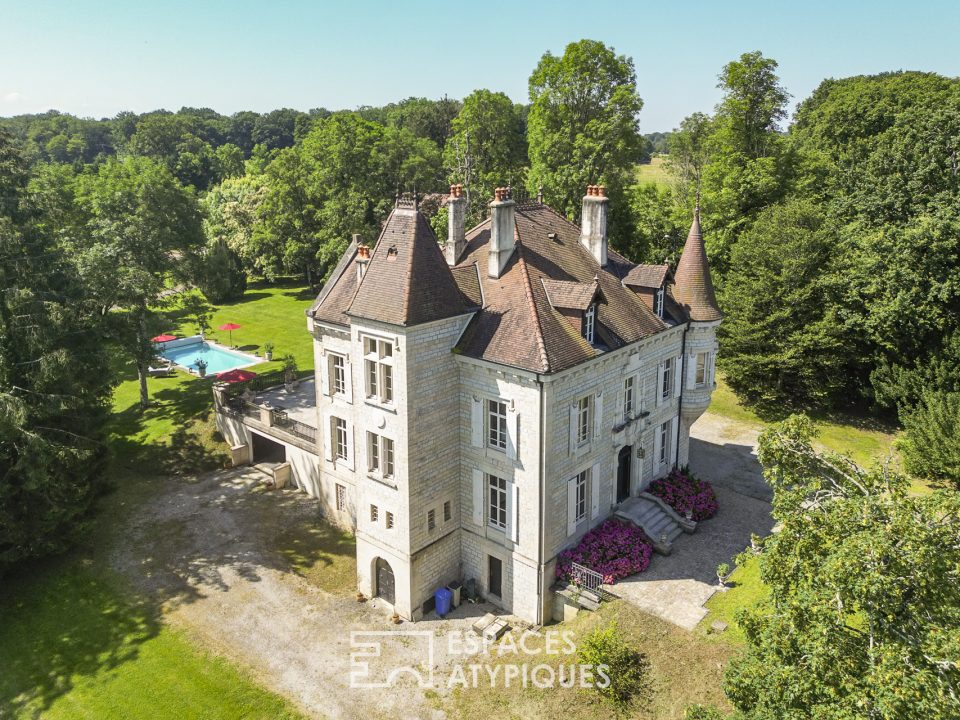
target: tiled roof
518 325
572 295
694 289
337 294
467 278
647 276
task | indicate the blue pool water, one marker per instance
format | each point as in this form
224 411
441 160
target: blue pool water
218 359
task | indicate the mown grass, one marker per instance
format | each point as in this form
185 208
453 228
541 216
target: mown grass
745 590
654 173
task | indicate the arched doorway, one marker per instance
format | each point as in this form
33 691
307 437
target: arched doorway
383 574
623 473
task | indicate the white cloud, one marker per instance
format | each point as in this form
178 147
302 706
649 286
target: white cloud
13 97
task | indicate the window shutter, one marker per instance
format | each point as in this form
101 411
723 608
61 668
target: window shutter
656 449
513 494
595 491
325 368
348 379
573 429
476 422
327 437
673 441
658 390
478 497
513 433
597 415
350 443
691 371
678 369
571 506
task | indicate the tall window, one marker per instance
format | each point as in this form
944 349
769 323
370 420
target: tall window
447 511
664 443
339 439
584 419
379 454
338 375
497 424
701 378
589 322
658 303
497 508
581 505
341 491
431 519
629 392
378 369
667 389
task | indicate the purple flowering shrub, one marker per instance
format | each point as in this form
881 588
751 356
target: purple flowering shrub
613 549
682 490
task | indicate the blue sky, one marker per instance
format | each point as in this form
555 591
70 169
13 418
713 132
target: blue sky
97 58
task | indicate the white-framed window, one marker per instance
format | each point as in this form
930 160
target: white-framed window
581 502
389 520
378 370
666 385
338 440
497 505
701 377
584 418
374 513
379 454
431 520
497 424
341 494
664 443
589 323
629 396
658 303
447 511
338 374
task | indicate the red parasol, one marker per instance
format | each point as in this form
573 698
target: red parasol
163 338
230 327
232 376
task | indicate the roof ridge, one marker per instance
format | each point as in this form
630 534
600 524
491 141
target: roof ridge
528 292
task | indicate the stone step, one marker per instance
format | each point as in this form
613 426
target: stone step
675 533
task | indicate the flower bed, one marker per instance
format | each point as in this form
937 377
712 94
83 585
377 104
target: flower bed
613 549
684 491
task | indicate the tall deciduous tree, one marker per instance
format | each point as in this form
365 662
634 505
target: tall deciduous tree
583 127
863 617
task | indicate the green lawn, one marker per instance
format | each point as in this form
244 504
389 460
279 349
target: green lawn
746 589
654 173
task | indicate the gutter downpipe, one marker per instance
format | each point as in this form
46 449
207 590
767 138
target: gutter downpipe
543 504
683 372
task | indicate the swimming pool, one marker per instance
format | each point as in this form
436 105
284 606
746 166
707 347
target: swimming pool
217 357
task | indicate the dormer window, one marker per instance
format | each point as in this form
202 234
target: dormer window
658 303
589 323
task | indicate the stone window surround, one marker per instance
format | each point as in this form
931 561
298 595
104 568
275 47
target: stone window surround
381 457
337 369
378 380
584 419
496 424
496 501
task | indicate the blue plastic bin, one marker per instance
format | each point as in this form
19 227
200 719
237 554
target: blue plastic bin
444 599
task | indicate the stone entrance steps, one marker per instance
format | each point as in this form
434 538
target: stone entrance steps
657 519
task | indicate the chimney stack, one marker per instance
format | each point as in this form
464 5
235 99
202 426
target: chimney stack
502 227
593 223
363 256
456 225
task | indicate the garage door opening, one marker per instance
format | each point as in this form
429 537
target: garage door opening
266 450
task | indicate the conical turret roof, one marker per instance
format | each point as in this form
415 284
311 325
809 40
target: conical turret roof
694 288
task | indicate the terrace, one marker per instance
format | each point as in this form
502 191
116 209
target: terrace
285 410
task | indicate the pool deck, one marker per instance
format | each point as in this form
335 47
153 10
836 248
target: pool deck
300 404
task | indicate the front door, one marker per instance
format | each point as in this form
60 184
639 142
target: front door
623 473
495 583
385 583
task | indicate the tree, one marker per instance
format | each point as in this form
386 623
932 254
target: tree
55 382
627 669
487 148
863 616
783 343
583 128
230 211
137 231
931 448
221 277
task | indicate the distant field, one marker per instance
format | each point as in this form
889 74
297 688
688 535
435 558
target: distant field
653 173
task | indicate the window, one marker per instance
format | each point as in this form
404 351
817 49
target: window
497 508
701 378
581 504
431 520
389 520
379 454
658 303
339 440
628 396
374 513
378 369
341 497
497 424
589 322
667 389
338 375
584 419
664 443
447 512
